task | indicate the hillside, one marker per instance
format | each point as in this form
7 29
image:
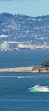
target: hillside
23 28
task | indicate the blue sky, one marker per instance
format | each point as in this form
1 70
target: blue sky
26 7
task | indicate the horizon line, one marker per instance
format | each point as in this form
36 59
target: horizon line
23 14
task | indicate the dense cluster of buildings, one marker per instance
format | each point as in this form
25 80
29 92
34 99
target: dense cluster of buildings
8 45
13 45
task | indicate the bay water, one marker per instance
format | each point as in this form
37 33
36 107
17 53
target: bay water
14 95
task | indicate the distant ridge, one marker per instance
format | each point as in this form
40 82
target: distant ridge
23 28
6 14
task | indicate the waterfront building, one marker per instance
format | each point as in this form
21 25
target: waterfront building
5 45
13 44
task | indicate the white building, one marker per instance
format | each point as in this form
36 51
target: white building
5 45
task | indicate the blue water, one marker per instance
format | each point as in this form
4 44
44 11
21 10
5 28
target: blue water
14 95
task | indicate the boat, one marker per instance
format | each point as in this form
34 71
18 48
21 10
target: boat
38 88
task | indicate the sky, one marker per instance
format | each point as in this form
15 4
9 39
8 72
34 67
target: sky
26 7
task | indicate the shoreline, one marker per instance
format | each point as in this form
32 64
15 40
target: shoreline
17 69
33 69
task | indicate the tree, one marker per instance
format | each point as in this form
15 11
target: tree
45 64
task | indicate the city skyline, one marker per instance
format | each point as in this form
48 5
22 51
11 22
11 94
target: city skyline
29 7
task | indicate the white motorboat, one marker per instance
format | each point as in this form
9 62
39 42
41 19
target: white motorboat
38 88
